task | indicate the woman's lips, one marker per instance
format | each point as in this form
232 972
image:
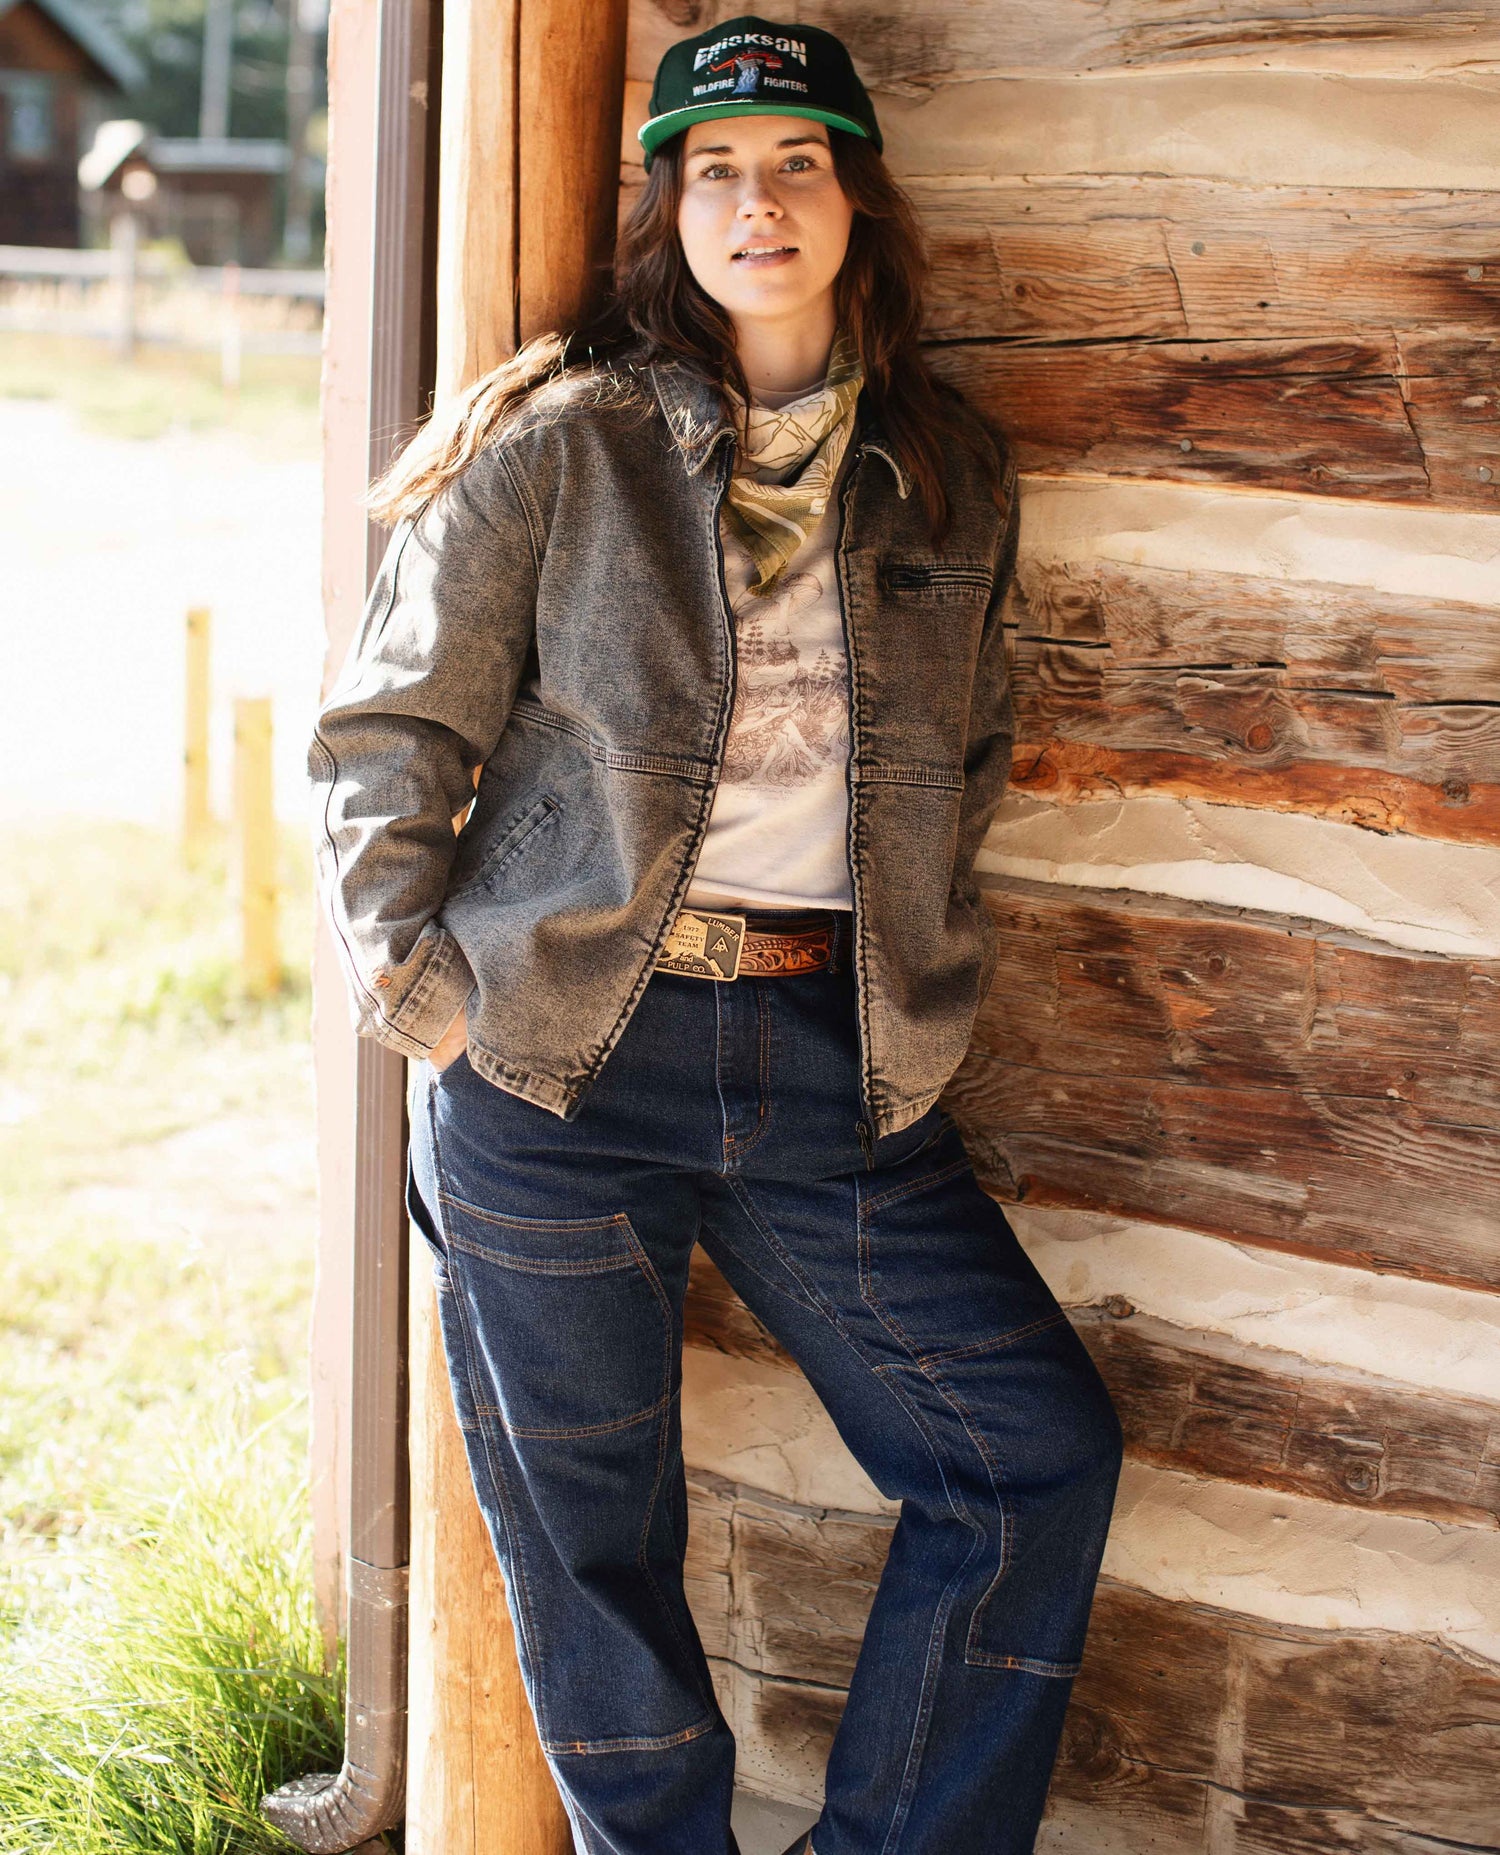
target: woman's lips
760 257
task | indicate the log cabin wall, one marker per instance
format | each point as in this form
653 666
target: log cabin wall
1227 274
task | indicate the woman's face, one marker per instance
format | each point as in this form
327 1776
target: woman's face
763 220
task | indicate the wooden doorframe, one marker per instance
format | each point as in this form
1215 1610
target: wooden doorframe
526 219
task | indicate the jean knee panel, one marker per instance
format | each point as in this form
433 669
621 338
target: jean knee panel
1010 1390
1055 1501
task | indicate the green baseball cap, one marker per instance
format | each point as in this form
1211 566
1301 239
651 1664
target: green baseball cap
754 67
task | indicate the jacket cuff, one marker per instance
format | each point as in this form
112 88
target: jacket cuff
434 984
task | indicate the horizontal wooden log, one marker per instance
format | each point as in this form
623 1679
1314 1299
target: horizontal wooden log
1131 258
1283 128
1210 1405
1146 988
1360 417
1249 1076
1373 708
900 41
1070 770
1376 1737
1302 1740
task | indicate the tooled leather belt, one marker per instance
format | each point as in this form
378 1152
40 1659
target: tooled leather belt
717 946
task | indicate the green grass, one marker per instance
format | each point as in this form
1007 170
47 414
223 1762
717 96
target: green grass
163 389
160 1661
155 1715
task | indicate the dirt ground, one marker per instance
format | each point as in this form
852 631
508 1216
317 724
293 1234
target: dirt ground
108 541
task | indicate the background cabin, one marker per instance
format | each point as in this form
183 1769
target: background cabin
60 69
216 194
1228 277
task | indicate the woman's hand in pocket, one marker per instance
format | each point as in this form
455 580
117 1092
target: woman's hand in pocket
453 1042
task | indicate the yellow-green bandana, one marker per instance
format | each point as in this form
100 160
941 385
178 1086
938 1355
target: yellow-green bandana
784 476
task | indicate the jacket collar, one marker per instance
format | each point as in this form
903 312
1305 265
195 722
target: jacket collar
697 421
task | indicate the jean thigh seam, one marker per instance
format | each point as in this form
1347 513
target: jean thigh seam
642 1556
816 1304
995 1470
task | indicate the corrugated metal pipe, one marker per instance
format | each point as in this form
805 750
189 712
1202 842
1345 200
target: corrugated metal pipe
327 1814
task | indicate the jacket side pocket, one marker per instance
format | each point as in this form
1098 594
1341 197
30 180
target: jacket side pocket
512 843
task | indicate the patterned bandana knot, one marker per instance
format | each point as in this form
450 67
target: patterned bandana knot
785 474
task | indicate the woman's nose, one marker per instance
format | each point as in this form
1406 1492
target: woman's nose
757 199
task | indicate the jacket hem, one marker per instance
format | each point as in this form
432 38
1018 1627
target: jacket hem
541 1091
900 1115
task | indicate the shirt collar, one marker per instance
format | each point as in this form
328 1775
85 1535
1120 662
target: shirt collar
698 422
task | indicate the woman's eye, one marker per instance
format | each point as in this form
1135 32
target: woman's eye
714 171
800 163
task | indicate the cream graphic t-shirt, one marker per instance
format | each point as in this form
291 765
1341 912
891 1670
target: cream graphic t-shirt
777 832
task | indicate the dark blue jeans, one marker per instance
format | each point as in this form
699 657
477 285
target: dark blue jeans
729 1114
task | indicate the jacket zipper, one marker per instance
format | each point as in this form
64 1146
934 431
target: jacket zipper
865 1126
731 651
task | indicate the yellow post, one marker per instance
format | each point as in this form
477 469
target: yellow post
197 814
255 833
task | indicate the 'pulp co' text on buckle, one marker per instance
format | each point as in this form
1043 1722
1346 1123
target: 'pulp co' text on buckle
703 946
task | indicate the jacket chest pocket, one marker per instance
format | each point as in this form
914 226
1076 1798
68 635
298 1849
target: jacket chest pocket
952 579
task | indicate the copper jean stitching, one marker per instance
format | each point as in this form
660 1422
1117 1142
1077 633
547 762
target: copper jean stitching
539 1431
594 1747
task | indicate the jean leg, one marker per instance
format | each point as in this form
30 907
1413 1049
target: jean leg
954 1377
561 1275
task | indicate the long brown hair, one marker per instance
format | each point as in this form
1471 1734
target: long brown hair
656 311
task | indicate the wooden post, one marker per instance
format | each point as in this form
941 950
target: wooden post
125 238
255 835
197 812
231 338
525 221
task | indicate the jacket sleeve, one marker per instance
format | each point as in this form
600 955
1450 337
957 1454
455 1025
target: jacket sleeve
991 731
421 700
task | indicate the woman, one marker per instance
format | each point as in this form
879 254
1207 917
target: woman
707 601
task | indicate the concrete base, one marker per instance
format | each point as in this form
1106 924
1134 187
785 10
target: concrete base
762 1827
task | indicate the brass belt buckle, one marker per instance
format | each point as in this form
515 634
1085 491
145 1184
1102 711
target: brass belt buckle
703 946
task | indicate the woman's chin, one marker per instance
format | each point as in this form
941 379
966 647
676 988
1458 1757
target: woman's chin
783 296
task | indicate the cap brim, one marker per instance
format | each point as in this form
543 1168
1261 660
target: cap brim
658 129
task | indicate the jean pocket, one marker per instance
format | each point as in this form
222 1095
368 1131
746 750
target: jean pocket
416 1210
570 1321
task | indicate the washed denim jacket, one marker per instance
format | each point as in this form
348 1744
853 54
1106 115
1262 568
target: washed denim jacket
557 616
